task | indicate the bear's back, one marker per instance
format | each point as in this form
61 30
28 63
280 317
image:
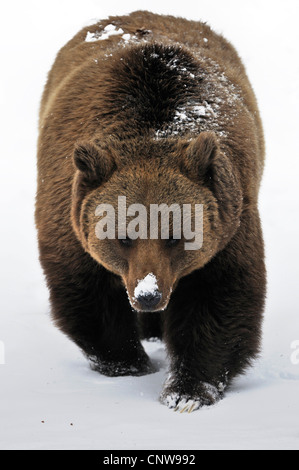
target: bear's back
151 76
141 27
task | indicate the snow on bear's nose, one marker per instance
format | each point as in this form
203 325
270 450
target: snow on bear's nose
147 293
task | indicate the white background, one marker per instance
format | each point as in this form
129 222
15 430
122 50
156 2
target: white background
45 377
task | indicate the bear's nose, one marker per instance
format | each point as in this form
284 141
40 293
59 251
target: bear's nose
148 301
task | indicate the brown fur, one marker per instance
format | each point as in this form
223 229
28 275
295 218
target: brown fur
113 122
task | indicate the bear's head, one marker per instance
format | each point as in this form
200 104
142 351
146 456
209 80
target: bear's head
153 211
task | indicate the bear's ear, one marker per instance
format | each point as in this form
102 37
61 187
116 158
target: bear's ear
206 163
95 164
200 155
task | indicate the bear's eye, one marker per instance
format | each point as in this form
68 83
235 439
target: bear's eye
127 242
171 242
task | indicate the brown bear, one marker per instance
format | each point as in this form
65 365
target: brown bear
156 110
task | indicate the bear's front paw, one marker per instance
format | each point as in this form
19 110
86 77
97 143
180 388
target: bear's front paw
121 368
179 399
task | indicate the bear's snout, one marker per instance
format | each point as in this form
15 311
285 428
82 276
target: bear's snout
150 300
148 294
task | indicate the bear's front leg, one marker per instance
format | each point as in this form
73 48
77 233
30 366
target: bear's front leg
184 394
212 329
91 307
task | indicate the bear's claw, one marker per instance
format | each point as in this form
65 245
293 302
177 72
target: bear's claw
187 407
185 403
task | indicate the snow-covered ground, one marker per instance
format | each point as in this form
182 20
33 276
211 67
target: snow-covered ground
50 399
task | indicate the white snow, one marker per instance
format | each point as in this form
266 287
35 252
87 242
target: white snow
181 115
108 31
200 110
147 285
126 37
50 399
189 117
